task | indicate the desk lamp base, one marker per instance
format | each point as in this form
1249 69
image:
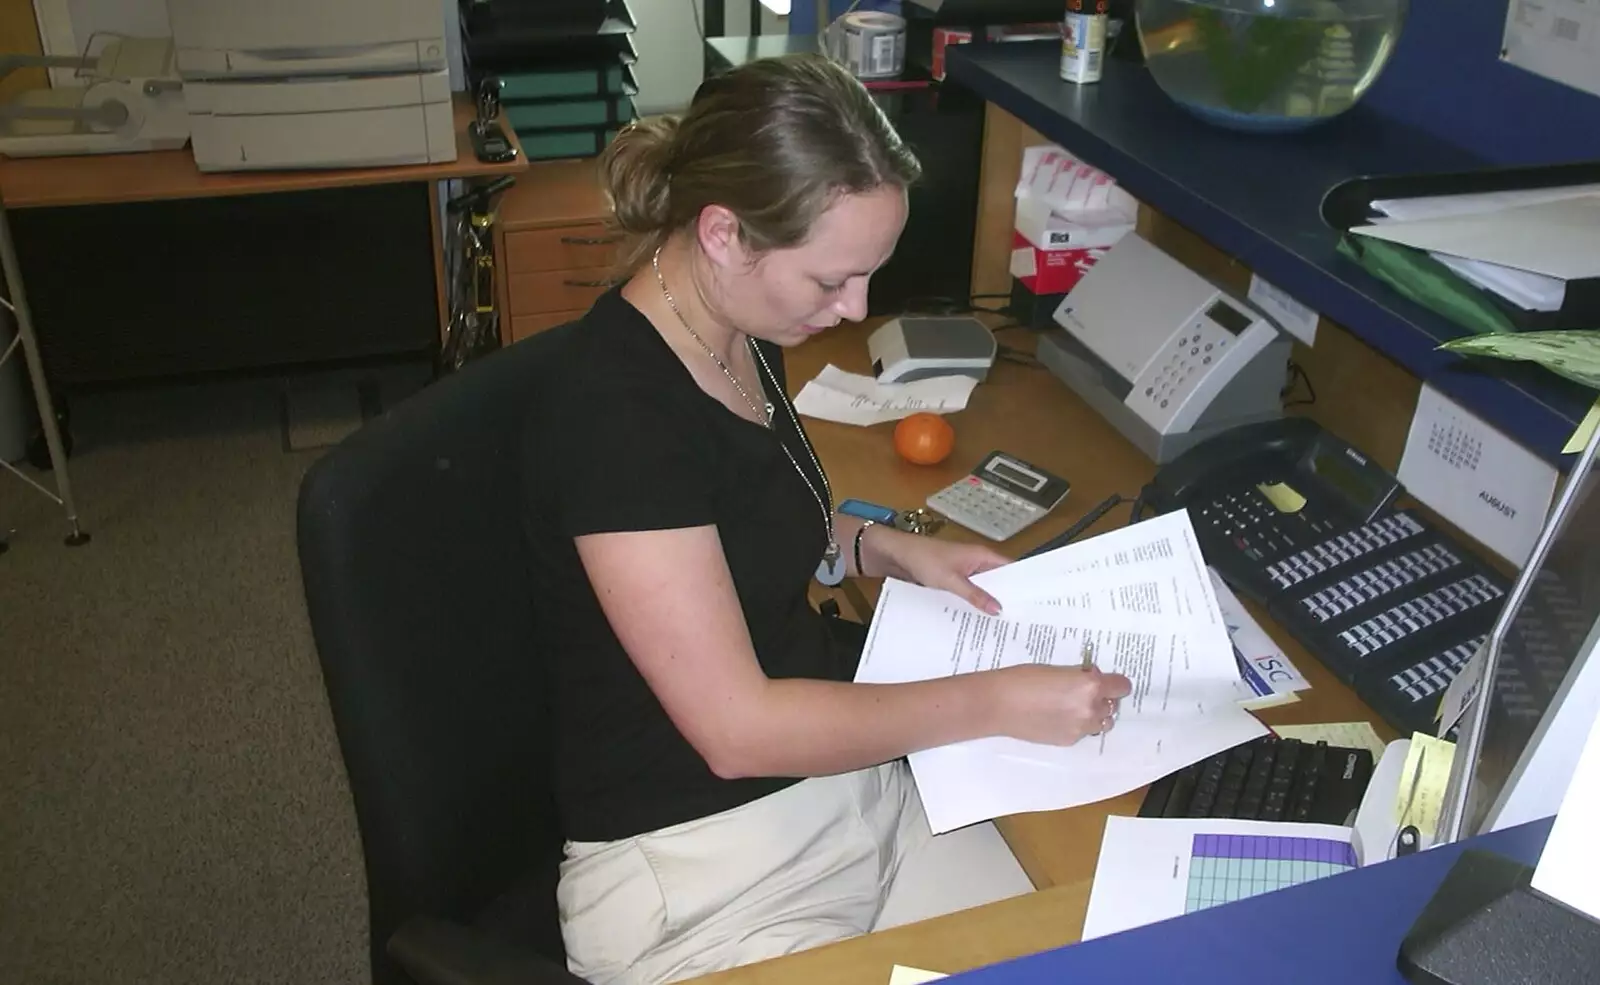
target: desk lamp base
1484 926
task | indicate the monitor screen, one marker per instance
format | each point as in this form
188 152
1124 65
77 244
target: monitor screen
1544 633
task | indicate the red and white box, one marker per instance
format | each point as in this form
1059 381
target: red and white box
1049 271
943 37
1068 214
1083 230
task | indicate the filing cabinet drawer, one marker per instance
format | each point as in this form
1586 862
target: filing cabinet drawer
523 326
561 248
557 290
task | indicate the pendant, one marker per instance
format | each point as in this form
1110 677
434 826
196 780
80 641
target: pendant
830 571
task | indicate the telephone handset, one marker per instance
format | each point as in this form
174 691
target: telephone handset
1302 523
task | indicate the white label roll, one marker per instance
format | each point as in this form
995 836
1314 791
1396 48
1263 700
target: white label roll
869 43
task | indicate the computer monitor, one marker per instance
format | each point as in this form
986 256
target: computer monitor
1519 740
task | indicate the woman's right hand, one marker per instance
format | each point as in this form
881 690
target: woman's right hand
1056 705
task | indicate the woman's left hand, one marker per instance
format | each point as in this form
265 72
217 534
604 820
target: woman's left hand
948 565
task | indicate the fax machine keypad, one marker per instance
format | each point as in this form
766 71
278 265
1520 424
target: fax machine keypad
1196 348
985 508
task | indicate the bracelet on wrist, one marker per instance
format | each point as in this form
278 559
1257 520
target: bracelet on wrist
860 570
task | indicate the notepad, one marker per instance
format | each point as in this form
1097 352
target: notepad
1423 779
902 975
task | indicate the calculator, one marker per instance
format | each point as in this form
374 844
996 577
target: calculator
1001 497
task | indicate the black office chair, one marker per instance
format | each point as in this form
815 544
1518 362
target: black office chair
412 556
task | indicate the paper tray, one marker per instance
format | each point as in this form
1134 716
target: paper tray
1349 204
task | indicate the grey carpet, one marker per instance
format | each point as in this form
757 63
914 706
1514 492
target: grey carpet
172 804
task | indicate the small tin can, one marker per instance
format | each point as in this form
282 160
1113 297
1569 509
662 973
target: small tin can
1083 40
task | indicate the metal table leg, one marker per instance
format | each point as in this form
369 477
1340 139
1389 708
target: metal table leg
41 389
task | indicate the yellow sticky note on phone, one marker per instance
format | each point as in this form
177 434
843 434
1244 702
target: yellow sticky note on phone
1282 496
1585 431
1423 779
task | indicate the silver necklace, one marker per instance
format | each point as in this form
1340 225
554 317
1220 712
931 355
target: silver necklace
830 571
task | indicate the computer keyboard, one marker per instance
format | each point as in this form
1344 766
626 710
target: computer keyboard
1267 779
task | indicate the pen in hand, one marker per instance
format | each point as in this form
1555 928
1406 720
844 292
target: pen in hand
1088 655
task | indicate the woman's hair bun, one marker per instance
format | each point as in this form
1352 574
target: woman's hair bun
635 172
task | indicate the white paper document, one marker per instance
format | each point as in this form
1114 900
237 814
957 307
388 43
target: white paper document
1567 868
1557 239
1556 39
850 398
1143 605
1533 291
1267 677
1476 477
1285 311
1153 868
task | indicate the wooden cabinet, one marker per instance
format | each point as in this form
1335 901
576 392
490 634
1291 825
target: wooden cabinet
554 250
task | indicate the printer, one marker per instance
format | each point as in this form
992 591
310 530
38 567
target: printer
314 84
1167 357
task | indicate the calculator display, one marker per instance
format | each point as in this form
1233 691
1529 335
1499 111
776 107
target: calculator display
1017 476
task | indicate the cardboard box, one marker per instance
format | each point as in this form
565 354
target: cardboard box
1080 230
1044 271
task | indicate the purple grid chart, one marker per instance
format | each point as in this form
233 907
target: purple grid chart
1224 868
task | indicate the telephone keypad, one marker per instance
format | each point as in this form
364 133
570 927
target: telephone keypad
1374 635
1381 579
1345 547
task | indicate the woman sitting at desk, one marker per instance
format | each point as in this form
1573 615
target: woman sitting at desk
727 792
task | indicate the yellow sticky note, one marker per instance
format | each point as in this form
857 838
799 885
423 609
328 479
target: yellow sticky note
1282 496
1580 437
901 975
1422 781
1350 735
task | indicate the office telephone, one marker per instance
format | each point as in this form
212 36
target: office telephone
1302 523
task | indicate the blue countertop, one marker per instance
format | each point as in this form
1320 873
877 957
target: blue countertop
1258 198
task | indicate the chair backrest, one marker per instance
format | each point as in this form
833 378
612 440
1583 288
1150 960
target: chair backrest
413 559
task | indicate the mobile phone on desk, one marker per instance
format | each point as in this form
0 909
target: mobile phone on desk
869 511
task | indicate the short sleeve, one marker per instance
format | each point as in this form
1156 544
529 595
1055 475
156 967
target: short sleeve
625 456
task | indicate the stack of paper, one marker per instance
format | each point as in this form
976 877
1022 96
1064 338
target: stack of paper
1142 600
1522 245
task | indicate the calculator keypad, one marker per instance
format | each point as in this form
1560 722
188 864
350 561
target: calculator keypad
985 508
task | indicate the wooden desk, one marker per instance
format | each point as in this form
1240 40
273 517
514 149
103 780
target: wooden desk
1027 411
100 179
105 179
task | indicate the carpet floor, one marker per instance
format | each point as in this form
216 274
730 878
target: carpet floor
173 807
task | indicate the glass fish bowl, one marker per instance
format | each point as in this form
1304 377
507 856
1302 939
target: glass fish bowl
1268 66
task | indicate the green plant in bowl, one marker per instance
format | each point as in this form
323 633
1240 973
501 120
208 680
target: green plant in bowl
1268 52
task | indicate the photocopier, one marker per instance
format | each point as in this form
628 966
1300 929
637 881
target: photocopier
314 83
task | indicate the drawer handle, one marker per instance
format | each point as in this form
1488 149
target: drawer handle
587 283
590 240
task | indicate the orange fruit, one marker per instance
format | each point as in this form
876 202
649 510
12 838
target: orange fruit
924 438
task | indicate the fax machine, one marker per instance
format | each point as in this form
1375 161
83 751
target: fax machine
1162 353
314 84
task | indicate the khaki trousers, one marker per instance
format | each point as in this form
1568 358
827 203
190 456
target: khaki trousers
813 863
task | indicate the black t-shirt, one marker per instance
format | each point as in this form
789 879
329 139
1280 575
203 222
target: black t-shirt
621 438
